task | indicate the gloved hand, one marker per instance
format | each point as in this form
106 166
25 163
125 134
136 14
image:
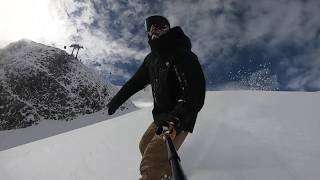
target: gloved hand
111 108
170 128
168 121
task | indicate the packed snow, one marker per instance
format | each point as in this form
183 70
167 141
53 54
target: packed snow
239 135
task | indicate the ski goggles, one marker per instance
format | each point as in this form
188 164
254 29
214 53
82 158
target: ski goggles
159 22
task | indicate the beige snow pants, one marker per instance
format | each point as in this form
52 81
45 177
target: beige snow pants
155 163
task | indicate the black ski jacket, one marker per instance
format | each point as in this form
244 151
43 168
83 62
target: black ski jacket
176 78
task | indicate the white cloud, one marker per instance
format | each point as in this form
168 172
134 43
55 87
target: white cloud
211 25
303 71
107 29
31 19
100 42
218 25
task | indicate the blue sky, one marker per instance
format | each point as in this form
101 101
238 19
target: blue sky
247 44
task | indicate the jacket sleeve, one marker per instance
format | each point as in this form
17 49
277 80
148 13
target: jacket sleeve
137 82
192 86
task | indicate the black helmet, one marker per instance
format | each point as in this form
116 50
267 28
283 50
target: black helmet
156 19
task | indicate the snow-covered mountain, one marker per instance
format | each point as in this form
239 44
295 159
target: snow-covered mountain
239 135
39 82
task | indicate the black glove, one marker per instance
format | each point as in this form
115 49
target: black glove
164 119
111 108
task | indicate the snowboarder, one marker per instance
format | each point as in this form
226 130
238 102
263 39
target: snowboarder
178 89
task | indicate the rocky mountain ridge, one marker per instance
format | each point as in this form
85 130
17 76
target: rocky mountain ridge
39 82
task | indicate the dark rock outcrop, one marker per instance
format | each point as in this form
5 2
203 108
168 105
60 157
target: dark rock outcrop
39 82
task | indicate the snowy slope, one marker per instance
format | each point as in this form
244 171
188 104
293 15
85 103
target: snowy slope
39 82
239 135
